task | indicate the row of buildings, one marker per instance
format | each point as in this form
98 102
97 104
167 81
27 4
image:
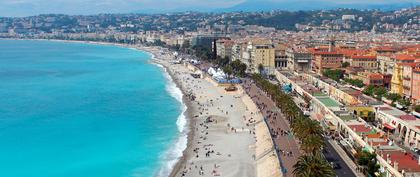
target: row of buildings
394 67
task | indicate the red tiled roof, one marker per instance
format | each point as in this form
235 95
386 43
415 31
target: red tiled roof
352 52
404 57
410 64
408 117
406 161
386 48
327 53
374 135
360 128
376 76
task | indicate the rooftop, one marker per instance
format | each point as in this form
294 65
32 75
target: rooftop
327 101
406 161
361 128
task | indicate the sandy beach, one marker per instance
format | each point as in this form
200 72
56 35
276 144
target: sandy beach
228 136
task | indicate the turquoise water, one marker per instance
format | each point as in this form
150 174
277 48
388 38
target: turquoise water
79 110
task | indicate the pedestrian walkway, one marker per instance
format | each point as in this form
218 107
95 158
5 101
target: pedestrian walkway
286 144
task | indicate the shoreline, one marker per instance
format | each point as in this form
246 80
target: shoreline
190 114
189 126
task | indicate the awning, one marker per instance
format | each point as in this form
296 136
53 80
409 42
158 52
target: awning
386 125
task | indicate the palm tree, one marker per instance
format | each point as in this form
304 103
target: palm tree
308 127
260 68
312 144
312 165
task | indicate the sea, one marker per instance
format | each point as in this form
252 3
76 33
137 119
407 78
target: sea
86 110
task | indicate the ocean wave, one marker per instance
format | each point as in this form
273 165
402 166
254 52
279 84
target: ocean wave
172 156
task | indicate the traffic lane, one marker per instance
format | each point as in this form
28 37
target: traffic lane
342 169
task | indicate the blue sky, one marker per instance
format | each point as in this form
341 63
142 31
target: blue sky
33 7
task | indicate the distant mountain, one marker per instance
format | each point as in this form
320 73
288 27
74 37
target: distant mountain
292 5
267 5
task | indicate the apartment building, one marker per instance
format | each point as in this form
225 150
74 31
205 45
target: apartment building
368 63
263 55
281 61
397 76
326 58
224 48
299 60
415 92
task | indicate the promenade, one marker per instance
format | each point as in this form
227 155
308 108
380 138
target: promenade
286 144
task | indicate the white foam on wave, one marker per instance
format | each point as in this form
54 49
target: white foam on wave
171 157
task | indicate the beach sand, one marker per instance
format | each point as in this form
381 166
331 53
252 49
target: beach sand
228 136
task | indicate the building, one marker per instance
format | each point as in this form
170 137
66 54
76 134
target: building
408 83
326 60
299 60
385 64
224 48
368 63
206 41
415 92
404 126
238 48
280 60
263 55
397 75
348 17
369 78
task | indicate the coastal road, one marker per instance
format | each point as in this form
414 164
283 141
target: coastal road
332 155
289 143
341 168
276 122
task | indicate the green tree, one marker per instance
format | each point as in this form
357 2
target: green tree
304 127
370 117
312 144
376 91
335 74
228 70
355 82
405 102
345 64
260 68
222 62
417 108
238 67
369 90
380 92
368 160
393 97
312 165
